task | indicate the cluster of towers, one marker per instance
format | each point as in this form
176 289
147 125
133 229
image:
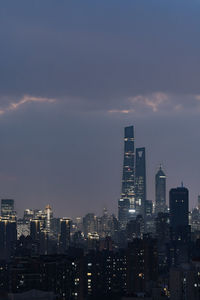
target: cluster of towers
133 199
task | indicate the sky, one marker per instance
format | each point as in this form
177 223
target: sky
73 74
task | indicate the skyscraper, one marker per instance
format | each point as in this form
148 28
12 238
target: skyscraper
8 237
128 178
160 190
127 201
140 181
179 211
65 227
7 207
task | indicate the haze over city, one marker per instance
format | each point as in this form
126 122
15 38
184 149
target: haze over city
73 75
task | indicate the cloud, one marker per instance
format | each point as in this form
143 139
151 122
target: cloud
26 99
120 111
157 103
153 101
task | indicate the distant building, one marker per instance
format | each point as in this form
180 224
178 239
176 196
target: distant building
7 208
35 229
8 237
160 191
89 224
128 178
140 181
65 226
179 211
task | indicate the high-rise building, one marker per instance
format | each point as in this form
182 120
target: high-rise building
65 226
8 237
89 224
7 207
48 217
35 229
179 212
160 190
128 178
140 181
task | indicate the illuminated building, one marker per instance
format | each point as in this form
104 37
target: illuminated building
23 228
35 229
89 224
128 178
160 191
48 216
7 208
140 181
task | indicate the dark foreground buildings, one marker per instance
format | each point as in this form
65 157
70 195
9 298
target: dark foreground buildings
149 252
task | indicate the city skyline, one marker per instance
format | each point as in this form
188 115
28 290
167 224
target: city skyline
69 87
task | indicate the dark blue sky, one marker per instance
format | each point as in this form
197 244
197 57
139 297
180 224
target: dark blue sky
72 75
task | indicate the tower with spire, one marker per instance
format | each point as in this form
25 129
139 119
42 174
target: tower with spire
160 191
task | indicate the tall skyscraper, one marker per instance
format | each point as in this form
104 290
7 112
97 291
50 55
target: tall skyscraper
128 178
179 212
140 181
160 190
127 201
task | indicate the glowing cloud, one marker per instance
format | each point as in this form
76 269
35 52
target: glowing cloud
26 99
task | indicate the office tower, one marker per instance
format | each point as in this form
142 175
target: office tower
179 211
35 229
48 217
140 181
7 208
160 189
128 177
65 228
89 224
28 214
8 237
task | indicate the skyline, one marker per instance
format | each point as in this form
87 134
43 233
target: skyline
73 75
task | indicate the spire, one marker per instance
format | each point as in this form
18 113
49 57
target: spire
182 184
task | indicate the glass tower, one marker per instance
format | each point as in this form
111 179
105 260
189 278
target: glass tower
140 181
128 178
126 206
160 189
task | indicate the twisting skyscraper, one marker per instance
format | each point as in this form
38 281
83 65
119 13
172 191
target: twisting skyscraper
127 201
140 181
160 190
